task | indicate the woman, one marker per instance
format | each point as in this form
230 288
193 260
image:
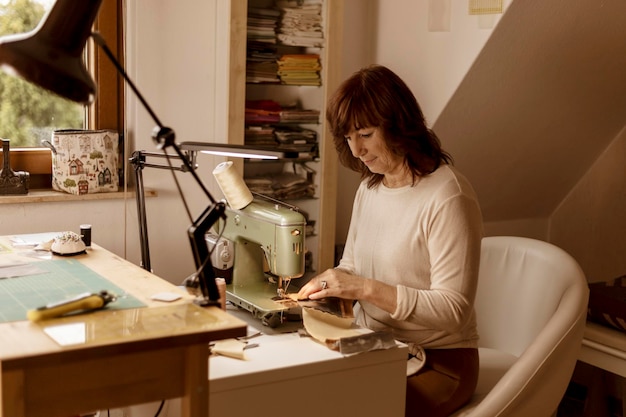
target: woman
413 247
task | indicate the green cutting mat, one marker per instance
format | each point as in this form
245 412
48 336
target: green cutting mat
62 279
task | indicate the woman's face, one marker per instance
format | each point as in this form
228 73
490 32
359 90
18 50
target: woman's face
368 144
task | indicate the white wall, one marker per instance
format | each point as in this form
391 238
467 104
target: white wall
171 56
107 218
431 63
358 20
590 223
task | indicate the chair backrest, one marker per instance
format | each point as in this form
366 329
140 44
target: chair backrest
531 302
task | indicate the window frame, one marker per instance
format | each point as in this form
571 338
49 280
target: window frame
107 110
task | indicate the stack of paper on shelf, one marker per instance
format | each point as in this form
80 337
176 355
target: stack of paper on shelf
299 139
295 135
261 63
260 136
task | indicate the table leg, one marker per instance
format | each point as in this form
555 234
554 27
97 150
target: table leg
12 393
195 402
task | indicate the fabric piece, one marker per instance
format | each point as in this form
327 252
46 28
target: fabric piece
232 348
328 328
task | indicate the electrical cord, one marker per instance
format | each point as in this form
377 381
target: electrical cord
160 408
158 412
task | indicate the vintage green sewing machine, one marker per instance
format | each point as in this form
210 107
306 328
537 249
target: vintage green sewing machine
262 247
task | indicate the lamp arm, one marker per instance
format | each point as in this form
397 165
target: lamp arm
165 137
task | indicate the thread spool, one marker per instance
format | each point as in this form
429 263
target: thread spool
85 234
221 288
232 185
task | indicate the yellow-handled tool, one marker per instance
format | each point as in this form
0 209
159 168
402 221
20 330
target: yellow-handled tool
80 303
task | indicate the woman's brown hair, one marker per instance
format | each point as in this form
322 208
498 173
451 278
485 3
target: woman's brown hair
376 97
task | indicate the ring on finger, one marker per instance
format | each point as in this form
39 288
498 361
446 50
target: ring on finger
324 285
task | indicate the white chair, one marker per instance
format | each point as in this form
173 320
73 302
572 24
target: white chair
531 309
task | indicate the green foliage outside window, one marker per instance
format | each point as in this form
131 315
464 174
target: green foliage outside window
29 114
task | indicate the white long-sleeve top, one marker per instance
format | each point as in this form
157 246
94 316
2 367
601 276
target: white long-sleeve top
424 239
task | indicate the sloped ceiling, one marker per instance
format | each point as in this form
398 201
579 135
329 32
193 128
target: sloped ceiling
543 99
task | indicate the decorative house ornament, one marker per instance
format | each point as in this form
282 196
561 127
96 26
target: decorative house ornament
11 182
85 161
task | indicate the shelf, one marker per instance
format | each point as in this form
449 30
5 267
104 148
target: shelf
278 84
321 207
50 196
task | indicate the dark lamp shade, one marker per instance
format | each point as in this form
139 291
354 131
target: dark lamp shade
51 56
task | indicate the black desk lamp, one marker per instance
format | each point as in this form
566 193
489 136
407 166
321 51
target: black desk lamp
51 56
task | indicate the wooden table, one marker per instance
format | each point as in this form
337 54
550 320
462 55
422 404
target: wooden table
125 357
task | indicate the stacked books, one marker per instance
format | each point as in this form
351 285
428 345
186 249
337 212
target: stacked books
300 69
300 23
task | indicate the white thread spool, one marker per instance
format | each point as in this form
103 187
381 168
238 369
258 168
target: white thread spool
232 185
221 288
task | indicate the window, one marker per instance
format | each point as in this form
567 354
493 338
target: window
51 112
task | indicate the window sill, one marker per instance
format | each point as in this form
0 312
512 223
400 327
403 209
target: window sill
48 196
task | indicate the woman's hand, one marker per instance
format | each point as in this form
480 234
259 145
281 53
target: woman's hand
333 283
341 284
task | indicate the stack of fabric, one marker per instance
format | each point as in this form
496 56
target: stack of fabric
300 23
262 24
300 69
283 186
297 115
259 112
